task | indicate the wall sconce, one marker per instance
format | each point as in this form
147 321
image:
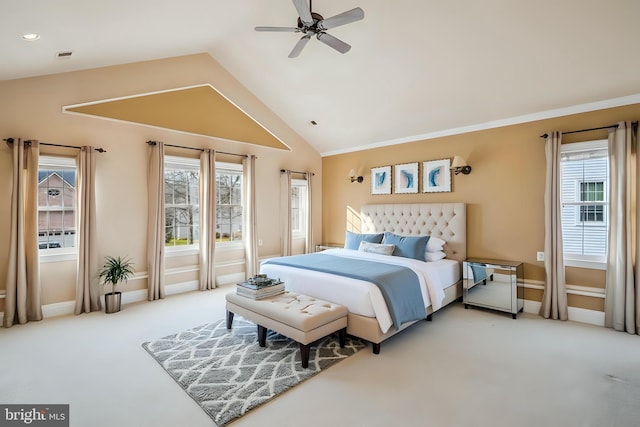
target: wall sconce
459 165
354 177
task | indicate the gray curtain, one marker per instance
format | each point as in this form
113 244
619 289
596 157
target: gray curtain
23 296
207 220
554 298
250 236
309 246
285 212
87 286
622 301
156 222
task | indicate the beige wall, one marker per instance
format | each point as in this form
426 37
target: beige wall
31 109
504 192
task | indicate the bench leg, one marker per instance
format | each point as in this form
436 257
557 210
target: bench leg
304 355
343 336
229 319
262 336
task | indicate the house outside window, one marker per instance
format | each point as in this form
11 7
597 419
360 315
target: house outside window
298 208
592 191
182 202
57 204
229 207
585 208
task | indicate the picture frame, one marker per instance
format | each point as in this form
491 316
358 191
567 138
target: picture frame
381 180
436 176
406 178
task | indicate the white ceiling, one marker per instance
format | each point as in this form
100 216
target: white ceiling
417 68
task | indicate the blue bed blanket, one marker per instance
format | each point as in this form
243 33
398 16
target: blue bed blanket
400 286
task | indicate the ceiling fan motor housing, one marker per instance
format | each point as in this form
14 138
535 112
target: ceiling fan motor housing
314 27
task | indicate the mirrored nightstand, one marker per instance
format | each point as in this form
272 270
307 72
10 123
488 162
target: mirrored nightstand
495 284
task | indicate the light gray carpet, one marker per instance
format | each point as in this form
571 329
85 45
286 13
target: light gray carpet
227 373
465 368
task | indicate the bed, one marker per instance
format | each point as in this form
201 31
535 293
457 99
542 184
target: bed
370 317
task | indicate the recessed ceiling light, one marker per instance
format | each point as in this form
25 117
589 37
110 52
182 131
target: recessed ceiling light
31 37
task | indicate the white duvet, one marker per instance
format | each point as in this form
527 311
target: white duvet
361 297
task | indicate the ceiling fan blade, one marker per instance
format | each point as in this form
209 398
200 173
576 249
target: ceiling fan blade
333 42
344 18
279 29
299 46
302 6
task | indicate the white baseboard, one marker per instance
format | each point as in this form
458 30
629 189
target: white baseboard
180 288
228 279
583 315
67 307
58 309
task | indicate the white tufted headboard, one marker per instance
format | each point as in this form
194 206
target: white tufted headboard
445 220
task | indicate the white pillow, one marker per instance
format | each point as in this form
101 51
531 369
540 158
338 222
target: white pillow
434 256
435 244
376 248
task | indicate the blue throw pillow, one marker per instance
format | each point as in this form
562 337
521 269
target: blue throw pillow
407 246
352 240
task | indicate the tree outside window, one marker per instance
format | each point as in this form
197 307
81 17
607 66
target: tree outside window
182 201
229 208
298 208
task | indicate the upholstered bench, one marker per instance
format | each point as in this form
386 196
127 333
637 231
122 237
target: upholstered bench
300 317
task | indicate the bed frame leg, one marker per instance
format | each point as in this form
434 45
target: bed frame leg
429 317
376 347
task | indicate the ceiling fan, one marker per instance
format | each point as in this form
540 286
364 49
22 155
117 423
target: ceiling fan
311 23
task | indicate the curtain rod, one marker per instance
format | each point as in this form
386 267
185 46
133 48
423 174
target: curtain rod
583 130
197 149
303 173
99 150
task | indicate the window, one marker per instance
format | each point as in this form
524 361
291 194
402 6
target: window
181 201
298 208
592 192
57 204
229 208
585 223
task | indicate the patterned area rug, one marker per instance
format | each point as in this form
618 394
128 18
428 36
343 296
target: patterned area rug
227 373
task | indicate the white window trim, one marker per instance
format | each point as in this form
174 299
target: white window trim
596 264
57 255
586 261
299 235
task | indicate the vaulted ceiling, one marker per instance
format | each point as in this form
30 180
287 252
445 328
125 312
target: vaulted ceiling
417 68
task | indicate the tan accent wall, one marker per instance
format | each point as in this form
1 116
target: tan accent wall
504 192
32 109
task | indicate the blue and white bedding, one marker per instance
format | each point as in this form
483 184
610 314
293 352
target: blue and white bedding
399 285
362 297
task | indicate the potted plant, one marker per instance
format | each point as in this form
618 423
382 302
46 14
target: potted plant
114 271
